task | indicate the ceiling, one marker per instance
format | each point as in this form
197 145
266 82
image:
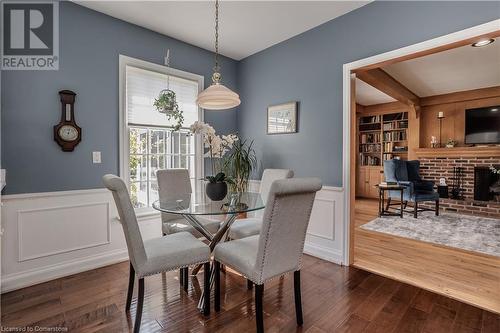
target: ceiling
459 69
368 95
246 27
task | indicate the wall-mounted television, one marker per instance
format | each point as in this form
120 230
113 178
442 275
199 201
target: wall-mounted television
482 125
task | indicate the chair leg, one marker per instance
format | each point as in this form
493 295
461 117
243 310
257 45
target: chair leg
415 207
388 203
206 288
259 313
130 291
140 303
298 298
181 276
437 207
249 285
185 275
217 285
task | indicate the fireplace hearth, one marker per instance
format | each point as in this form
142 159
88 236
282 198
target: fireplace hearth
477 187
486 186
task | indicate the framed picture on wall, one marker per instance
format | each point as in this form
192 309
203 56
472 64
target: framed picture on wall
282 118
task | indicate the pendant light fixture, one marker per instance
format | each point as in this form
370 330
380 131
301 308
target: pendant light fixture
217 96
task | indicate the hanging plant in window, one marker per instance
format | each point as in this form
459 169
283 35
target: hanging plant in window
167 102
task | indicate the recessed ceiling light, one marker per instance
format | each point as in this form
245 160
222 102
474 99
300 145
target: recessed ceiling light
483 42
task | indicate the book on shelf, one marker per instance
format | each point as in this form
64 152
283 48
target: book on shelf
370 119
370 138
369 160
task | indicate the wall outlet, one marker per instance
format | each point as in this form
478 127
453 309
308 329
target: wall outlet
96 157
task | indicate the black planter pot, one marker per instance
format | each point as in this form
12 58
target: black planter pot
216 191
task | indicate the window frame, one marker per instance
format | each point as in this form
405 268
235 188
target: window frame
124 147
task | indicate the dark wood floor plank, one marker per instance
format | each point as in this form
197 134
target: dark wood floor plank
412 322
334 298
491 322
440 319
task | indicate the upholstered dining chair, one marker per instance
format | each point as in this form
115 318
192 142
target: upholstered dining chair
278 249
250 226
157 255
173 183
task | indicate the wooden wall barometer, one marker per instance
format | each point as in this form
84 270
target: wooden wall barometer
67 133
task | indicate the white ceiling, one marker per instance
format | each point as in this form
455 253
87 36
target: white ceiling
368 95
460 69
246 27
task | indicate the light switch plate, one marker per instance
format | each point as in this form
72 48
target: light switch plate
96 157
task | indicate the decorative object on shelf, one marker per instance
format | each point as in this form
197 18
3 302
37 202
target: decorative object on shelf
67 133
166 102
217 146
451 143
217 96
434 142
282 118
239 164
440 118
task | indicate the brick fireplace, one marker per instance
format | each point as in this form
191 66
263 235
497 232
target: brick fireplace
434 168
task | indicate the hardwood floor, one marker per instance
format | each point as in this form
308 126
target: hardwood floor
470 277
335 299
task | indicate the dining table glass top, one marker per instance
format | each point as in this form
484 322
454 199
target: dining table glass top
198 203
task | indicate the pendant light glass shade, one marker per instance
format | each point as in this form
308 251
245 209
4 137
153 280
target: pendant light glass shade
218 97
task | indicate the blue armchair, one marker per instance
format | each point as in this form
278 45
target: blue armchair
417 190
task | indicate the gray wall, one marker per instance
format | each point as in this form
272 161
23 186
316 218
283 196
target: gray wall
90 43
308 69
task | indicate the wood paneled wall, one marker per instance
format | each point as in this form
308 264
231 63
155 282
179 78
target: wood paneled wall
454 106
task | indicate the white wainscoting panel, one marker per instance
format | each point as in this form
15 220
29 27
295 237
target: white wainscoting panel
55 234
324 237
71 228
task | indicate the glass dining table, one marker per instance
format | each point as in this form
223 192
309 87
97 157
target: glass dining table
194 205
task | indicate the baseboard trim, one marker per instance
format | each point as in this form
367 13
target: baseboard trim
324 253
28 278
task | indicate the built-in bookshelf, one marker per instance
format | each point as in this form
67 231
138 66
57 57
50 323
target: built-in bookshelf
382 137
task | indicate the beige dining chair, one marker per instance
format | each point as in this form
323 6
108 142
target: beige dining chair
279 247
172 184
157 255
250 226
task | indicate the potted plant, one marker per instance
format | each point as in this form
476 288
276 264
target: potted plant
167 103
450 143
217 146
239 164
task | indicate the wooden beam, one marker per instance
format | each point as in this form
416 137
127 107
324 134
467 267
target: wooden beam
387 84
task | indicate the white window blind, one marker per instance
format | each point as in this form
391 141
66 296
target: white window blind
143 86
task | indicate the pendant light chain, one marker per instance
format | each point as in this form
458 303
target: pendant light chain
217 96
216 76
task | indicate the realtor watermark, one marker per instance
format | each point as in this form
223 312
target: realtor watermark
30 35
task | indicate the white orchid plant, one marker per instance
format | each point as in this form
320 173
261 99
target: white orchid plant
217 146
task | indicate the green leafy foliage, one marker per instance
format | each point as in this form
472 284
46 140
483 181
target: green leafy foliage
239 164
220 178
167 103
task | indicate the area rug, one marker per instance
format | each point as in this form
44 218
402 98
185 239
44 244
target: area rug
471 233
